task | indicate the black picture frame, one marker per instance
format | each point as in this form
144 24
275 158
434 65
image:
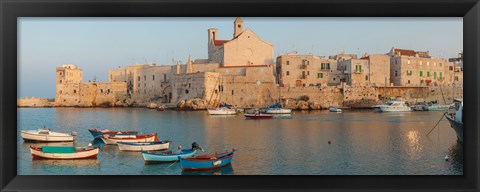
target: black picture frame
10 10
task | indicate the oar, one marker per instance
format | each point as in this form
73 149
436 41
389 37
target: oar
171 164
436 124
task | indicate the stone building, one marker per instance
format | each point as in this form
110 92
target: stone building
415 68
295 70
355 71
71 91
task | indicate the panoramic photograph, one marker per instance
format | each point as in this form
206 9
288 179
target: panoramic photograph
240 96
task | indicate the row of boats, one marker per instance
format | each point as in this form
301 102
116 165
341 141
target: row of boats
153 150
401 106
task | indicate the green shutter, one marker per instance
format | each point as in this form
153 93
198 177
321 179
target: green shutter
440 75
428 73
421 73
360 67
434 75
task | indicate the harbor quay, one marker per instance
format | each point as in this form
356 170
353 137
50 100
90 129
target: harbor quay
242 71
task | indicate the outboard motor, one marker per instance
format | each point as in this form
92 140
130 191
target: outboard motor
196 146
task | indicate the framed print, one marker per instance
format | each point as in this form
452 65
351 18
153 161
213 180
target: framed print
267 95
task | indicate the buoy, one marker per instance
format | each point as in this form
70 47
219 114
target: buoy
329 142
446 158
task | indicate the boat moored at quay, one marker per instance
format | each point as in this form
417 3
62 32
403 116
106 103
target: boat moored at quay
139 138
143 146
207 162
99 133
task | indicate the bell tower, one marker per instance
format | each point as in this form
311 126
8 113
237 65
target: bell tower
238 27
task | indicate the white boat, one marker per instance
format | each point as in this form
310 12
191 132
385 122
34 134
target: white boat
63 152
337 110
456 119
222 111
393 106
278 111
144 146
46 135
109 140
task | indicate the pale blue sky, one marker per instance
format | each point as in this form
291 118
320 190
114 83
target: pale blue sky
99 44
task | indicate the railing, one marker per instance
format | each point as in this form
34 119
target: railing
303 66
303 76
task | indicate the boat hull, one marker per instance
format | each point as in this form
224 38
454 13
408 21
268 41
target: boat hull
458 127
140 138
151 158
335 110
88 154
32 137
98 133
278 111
221 112
142 146
395 109
207 162
258 116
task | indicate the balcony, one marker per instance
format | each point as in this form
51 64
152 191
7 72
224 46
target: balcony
358 71
302 76
303 66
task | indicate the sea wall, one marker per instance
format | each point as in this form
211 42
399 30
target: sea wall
35 102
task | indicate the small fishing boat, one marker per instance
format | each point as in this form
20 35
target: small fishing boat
46 135
144 146
337 110
207 162
438 107
258 116
64 152
151 157
393 106
109 140
99 133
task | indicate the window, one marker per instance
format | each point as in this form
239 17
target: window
428 73
456 78
366 77
441 76
74 91
101 90
189 85
450 68
358 68
144 77
408 61
319 75
325 66
186 91
61 74
60 91
428 63
440 64
434 75
288 73
138 78
153 77
232 91
408 81
308 72
288 62
420 62
60 81
396 73
421 73
165 77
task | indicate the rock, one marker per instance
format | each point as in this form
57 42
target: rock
152 105
302 105
161 108
181 105
314 106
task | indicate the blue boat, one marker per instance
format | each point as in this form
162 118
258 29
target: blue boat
207 162
151 157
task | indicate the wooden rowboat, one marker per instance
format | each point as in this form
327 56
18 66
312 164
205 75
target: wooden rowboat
63 152
144 146
207 162
138 138
46 135
99 133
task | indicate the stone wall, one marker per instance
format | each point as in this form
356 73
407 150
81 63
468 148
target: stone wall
34 102
247 49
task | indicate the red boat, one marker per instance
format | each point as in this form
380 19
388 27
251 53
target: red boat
258 116
99 133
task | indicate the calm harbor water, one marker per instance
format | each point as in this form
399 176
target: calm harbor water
362 142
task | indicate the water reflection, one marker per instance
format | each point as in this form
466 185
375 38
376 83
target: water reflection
227 170
65 163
